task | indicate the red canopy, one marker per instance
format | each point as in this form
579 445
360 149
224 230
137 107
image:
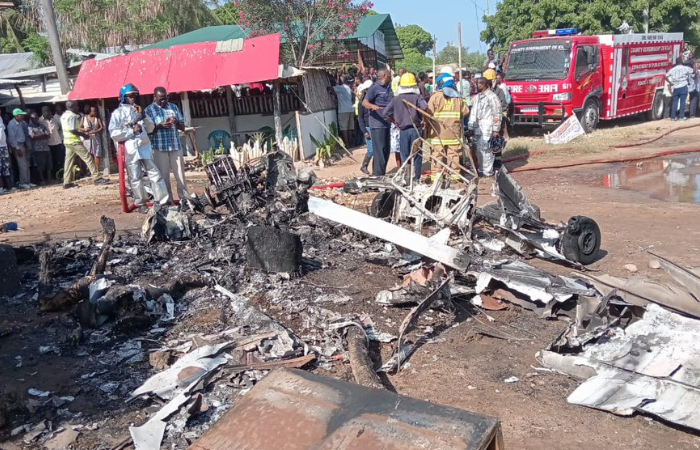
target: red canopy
191 67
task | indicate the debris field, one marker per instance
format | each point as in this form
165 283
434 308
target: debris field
169 330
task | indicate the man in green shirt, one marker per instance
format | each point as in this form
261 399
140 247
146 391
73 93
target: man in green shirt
70 123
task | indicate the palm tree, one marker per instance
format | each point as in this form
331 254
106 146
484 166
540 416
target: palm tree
16 24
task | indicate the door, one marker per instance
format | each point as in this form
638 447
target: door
625 101
587 74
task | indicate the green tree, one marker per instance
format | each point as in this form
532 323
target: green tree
517 19
226 13
415 37
310 29
474 61
16 24
414 61
95 24
39 45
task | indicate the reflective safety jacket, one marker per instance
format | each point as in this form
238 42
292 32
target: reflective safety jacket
446 127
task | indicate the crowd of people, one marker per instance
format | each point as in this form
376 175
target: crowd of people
34 148
38 149
394 110
682 88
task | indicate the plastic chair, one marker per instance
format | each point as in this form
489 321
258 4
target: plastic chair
219 137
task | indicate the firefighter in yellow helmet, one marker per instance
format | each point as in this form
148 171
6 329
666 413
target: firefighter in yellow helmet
403 112
444 131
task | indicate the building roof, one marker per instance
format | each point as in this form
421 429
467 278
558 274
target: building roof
16 62
380 22
34 95
190 67
206 34
365 29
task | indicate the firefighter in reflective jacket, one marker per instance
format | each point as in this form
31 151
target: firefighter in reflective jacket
444 130
485 123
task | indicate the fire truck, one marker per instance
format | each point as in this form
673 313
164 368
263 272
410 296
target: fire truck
560 72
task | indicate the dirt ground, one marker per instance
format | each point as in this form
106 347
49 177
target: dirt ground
461 368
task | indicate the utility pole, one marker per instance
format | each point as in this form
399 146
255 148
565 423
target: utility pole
646 19
55 42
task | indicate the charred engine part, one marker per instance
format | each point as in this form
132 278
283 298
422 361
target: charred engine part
273 250
269 181
576 243
519 221
236 189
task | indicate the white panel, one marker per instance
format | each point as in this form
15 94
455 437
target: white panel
647 74
649 58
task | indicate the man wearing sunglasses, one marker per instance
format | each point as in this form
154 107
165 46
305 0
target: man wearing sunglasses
129 125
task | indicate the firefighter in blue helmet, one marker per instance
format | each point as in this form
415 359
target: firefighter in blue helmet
130 126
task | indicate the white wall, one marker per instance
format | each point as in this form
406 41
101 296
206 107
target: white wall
206 126
253 122
310 126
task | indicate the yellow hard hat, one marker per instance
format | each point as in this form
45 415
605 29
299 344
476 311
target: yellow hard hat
490 74
408 80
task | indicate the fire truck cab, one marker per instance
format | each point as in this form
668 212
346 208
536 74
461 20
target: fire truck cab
560 72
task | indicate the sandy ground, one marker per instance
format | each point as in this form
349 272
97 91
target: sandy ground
466 370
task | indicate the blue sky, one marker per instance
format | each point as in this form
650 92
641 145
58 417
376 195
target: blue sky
440 18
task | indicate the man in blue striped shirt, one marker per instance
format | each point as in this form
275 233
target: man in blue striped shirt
165 141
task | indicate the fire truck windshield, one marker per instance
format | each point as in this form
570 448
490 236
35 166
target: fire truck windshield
533 61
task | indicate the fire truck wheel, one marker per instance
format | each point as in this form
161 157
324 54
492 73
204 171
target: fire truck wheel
657 107
590 116
581 240
383 204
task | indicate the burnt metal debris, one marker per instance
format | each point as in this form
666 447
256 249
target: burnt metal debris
256 275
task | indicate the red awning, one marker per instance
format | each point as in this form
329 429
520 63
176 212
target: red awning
191 67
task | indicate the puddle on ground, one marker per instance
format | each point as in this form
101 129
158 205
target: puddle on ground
673 178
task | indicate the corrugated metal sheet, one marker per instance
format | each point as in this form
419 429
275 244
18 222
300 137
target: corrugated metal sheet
16 62
191 67
34 95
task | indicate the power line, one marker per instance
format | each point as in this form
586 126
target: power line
478 28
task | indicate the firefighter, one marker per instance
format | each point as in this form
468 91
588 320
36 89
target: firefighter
485 123
444 130
128 125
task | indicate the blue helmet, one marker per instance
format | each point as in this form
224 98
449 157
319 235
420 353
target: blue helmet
127 89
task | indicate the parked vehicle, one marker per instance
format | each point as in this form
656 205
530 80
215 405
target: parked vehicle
560 72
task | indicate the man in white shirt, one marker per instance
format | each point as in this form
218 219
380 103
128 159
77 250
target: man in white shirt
346 110
679 78
55 141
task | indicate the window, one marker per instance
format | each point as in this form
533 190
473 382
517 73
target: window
586 60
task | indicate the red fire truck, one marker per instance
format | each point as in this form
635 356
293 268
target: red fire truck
560 72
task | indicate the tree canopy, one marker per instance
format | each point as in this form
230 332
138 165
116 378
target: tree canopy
517 19
96 24
226 13
415 43
415 37
471 60
310 29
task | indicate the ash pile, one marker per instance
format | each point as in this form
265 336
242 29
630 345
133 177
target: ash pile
167 330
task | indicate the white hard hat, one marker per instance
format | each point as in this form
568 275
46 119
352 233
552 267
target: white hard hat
364 86
448 70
